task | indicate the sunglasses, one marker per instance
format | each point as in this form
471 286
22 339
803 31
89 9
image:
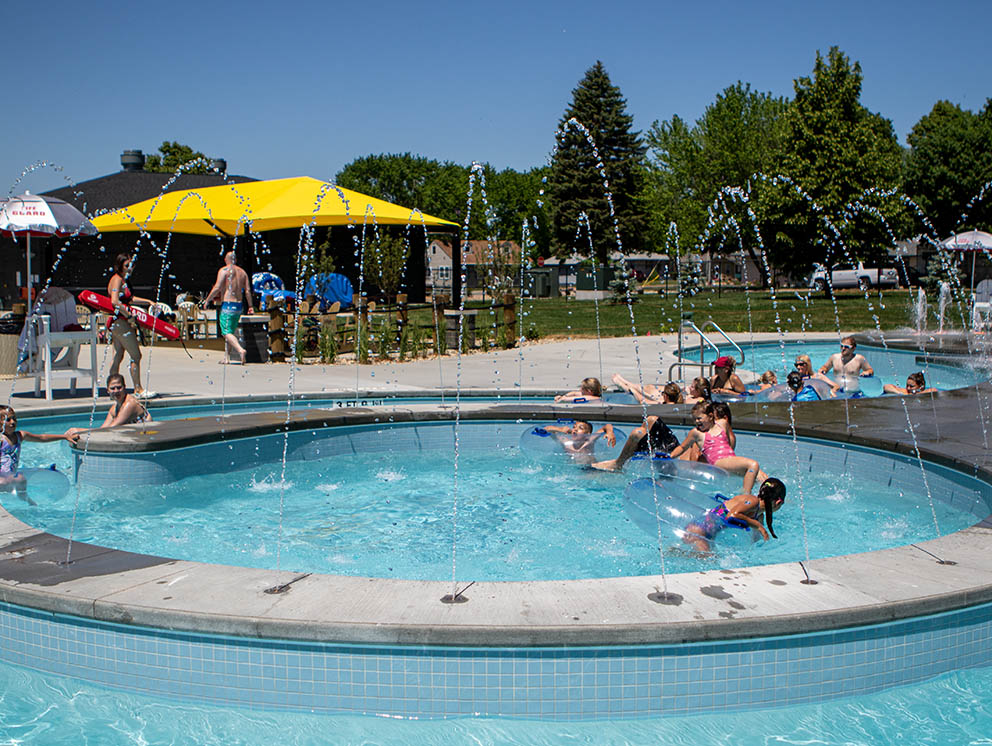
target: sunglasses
847 347
801 362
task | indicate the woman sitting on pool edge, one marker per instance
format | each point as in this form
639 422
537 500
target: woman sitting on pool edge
916 383
125 410
589 390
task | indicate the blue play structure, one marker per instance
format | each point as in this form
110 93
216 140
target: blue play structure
330 288
268 286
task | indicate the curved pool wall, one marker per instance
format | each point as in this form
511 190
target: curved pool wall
557 649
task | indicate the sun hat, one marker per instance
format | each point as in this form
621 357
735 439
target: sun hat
723 362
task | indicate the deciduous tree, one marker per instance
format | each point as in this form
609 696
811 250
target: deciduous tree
836 150
175 156
949 161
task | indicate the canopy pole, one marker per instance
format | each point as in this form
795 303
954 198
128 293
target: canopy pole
456 270
29 272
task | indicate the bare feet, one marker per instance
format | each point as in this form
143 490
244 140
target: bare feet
610 465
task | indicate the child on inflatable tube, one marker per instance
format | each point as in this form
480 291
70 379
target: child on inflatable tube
712 438
578 439
744 508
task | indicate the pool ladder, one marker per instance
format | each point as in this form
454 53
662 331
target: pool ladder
705 369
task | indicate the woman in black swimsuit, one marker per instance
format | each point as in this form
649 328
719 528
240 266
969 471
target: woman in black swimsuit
123 330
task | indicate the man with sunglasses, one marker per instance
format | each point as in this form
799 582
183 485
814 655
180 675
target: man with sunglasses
847 365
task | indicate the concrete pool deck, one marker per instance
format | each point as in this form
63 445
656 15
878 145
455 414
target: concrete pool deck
763 601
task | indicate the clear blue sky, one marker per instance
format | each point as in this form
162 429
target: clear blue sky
302 88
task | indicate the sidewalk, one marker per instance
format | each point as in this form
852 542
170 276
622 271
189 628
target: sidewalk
542 366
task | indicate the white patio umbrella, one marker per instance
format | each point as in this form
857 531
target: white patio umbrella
35 215
974 241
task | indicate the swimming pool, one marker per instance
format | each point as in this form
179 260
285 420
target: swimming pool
563 681
890 365
376 501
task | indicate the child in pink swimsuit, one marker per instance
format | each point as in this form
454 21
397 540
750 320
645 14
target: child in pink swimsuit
712 440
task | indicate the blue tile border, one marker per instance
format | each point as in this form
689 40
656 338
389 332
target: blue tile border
561 683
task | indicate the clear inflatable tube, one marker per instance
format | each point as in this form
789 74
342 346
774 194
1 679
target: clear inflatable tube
653 503
46 485
540 444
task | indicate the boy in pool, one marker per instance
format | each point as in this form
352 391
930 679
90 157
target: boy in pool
579 439
744 508
11 479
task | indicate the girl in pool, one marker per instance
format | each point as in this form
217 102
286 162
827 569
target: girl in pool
11 479
916 383
699 390
670 393
721 412
767 380
744 508
713 442
589 390
125 410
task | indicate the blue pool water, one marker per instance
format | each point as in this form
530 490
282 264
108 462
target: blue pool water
375 501
891 366
951 709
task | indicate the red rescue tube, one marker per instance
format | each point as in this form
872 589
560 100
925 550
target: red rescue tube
102 303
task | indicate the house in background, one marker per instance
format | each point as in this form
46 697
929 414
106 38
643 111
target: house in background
478 257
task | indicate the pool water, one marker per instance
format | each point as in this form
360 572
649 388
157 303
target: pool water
951 709
519 517
891 366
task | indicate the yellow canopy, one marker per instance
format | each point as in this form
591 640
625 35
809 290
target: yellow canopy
234 209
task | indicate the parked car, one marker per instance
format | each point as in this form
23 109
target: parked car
852 276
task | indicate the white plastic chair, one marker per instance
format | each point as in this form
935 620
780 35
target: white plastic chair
981 306
54 355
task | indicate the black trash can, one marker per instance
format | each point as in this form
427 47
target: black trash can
255 338
10 332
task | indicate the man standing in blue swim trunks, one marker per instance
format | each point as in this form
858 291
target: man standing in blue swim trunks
231 286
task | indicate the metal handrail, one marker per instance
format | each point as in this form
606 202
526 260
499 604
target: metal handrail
681 363
723 334
702 364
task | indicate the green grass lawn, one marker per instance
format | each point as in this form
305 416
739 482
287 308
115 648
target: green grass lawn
793 311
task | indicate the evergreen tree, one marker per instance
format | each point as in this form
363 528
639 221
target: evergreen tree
836 150
575 184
